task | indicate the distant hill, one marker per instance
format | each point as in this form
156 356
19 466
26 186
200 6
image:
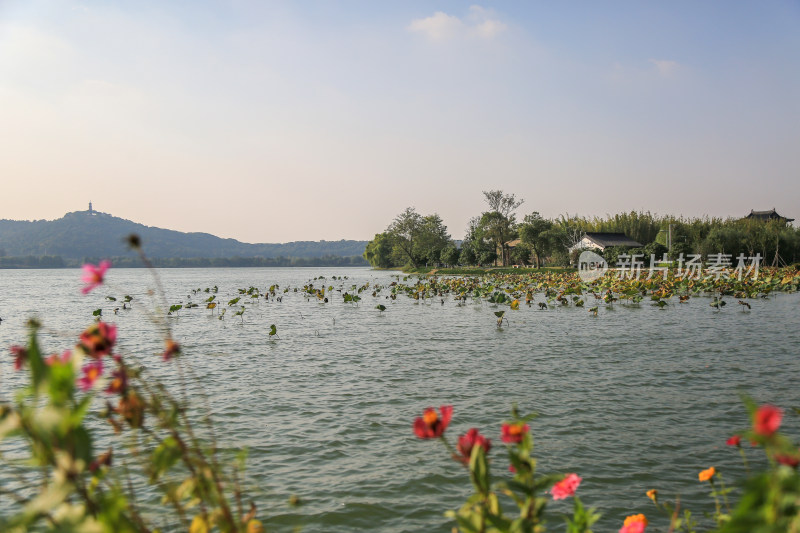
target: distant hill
80 235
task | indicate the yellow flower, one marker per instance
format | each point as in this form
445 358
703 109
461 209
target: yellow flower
707 474
652 494
255 526
634 518
199 525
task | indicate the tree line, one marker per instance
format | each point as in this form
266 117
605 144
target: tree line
49 261
496 237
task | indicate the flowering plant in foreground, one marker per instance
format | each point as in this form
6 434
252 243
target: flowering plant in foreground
770 502
157 445
483 510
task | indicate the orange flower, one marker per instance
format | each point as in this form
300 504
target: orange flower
429 425
172 349
635 523
707 474
652 494
513 432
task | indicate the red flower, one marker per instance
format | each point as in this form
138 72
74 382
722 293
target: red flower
736 440
20 356
513 432
789 460
93 275
99 339
468 441
430 425
767 420
103 460
91 373
566 487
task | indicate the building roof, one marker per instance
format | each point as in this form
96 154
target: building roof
768 215
612 239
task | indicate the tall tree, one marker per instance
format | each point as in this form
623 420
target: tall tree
534 232
432 239
418 239
499 223
504 204
405 230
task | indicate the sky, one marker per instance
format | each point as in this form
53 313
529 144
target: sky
302 120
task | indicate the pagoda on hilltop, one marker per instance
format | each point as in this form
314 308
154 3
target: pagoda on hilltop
91 211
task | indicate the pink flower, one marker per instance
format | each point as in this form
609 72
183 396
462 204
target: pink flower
91 373
430 426
513 433
99 339
767 420
93 275
20 356
736 440
56 359
468 441
566 487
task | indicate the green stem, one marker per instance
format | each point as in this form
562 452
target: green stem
716 499
744 460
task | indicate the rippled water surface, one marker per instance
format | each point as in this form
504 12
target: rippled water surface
635 398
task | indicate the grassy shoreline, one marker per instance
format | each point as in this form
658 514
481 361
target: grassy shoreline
481 271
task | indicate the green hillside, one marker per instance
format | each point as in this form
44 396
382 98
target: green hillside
79 235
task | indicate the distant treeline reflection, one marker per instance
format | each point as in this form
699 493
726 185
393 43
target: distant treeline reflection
56 261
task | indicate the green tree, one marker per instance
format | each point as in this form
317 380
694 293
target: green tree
432 239
521 254
417 239
467 256
379 251
450 255
474 243
404 231
534 232
498 225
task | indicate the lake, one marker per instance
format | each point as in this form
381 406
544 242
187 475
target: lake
633 399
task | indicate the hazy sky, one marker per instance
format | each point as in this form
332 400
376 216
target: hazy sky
281 121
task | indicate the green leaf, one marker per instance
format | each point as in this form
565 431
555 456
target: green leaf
164 457
479 469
